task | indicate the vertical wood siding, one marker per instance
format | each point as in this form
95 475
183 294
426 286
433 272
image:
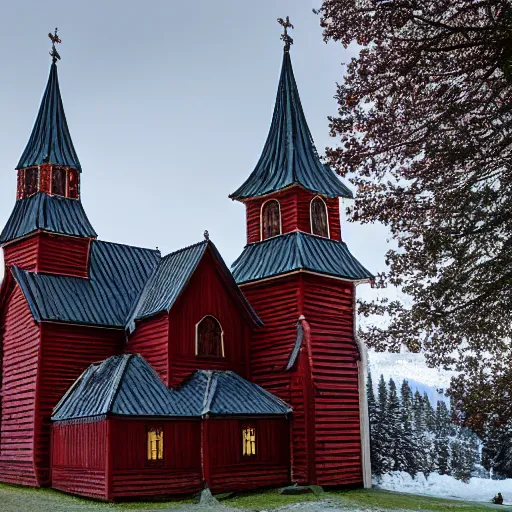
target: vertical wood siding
151 340
328 310
206 294
20 350
180 472
67 351
231 471
295 216
79 458
22 253
63 255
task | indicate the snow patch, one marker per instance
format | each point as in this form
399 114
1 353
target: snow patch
444 486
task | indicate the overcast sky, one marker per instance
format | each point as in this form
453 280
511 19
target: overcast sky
169 104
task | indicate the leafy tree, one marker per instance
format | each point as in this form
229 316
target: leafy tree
425 129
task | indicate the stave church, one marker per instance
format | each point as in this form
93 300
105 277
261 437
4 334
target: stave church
125 373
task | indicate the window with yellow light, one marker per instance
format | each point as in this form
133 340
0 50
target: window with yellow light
248 440
155 444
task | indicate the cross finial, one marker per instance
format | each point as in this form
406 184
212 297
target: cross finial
206 235
288 41
53 52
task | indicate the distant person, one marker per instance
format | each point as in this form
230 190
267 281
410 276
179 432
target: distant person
498 499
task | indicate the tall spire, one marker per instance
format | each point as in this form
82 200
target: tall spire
289 156
50 141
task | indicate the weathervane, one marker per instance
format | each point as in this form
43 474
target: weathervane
55 39
288 41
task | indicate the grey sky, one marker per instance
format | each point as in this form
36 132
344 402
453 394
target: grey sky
169 104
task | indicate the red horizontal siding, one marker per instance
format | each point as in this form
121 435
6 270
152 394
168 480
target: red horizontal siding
22 253
18 379
328 308
231 471
63 255
179 474
151 341
79 454
67 350
206 294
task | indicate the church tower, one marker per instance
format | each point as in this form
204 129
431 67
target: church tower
48 230
301 279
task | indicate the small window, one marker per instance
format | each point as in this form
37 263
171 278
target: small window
209 338
319 219
59 181
270 219
73 184
249 440
31 181
155 443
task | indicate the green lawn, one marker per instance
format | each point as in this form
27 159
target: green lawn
22 499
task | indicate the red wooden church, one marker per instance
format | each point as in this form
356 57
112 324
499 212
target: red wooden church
124 373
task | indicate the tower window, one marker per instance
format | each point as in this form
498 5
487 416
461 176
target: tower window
209 338
73 184
248 440
31 181
270 219
155 444
59 181
319 217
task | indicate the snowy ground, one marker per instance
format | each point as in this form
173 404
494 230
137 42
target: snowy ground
444 486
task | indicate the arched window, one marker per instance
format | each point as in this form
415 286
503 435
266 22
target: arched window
209 338
319 218
59 181
270 219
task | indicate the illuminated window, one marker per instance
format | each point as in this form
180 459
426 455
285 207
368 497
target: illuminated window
31 181
155 443
59 181
209 337
248 440
319 219
270 219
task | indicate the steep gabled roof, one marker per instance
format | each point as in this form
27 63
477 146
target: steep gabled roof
171 277
297 251
127 385
48 213
289 156
117 276
50 140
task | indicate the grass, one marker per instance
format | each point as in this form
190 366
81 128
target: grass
24 499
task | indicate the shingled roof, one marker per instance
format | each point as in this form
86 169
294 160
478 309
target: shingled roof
117 273
127 385
54 214
289 156
297 251
50 140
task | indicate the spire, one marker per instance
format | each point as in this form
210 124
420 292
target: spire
50 141
289 156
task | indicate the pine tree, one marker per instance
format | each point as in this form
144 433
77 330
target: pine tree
394 428
381 461
442 442
464 448
493 439
408 445
373 417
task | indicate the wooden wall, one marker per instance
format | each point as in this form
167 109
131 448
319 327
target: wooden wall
231 471
328 308
206 294
66 351
295 216
19 362
180 472
50 254
79 458
151 340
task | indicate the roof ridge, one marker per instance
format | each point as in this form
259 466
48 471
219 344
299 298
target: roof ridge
186 248
120 373
106 242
